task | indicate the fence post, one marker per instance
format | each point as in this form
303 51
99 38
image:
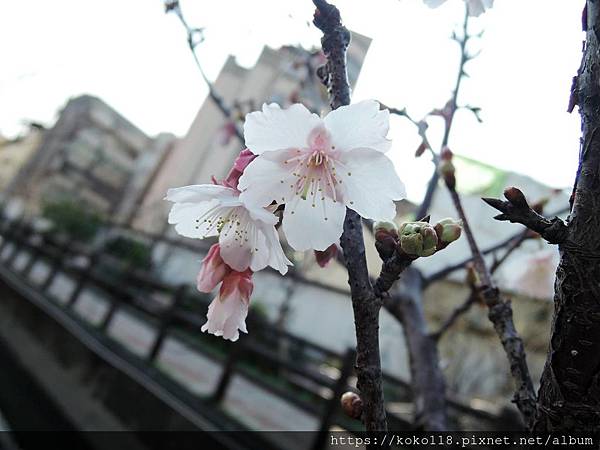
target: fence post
36 251
6 227
62 249
166 321
84 275
334 402
17 242
228 370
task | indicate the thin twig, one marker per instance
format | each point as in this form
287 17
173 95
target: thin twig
501 315
442 273
464 58
474 294
193 39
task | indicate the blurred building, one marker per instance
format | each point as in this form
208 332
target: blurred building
92 155
14 153
285 75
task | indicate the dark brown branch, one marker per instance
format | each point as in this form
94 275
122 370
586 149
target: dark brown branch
442 273
391 270
474 294
365 304
428 383
501 315
516 210
569 392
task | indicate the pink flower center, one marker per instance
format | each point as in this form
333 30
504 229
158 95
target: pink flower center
315 171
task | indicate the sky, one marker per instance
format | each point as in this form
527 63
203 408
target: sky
135 57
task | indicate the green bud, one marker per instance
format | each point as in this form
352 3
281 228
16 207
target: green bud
418 239
448 230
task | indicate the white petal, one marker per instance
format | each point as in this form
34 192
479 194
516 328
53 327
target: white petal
196 220
370 184
201 192
305 226
258 213
277 258
434 3
242 243
226 316
274 128
267 179
361 125
475 7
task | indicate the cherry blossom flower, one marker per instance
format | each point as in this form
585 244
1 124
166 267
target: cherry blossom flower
247 235
475 7
318 167
228 311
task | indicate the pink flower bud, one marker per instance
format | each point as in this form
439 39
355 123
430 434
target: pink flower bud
421 149
213 270
325 256
233 177
446 168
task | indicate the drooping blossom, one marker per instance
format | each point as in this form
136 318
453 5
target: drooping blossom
247 235
318 167
475 7
213 270
228 311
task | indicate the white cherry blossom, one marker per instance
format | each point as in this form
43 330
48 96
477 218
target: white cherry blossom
475 7
318 167
247 235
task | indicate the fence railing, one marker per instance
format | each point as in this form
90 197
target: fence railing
310 377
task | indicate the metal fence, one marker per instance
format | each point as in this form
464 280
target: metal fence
308 376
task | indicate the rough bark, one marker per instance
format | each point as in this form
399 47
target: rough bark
365 304
569 395
427 380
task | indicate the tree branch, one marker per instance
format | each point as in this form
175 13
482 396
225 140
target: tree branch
500 314
569 389
517 210
474 294
194 37
442 273
365 304
428 383
449 118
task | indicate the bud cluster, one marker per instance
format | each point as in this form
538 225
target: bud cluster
417 239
